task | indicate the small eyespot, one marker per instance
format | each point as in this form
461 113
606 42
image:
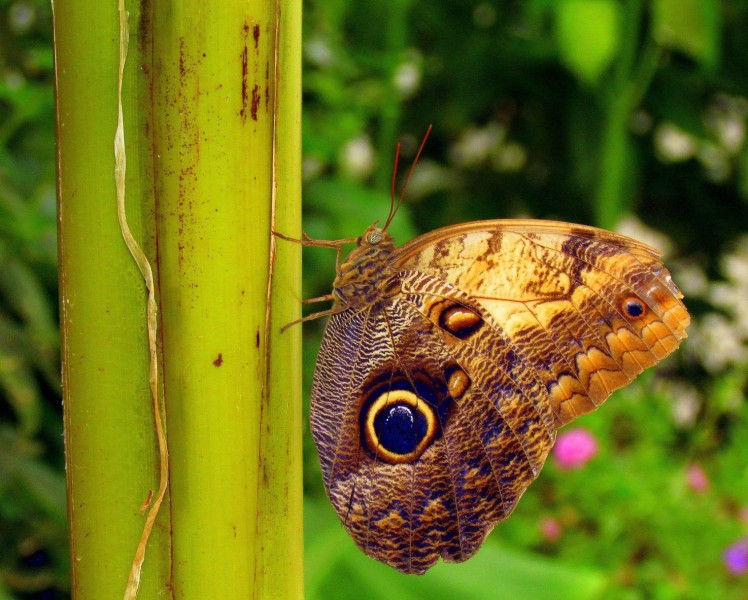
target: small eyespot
374 237
457 382
460 321
634 308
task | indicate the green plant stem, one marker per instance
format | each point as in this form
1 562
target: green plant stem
620 100
396 39
110 449
198 100
279 571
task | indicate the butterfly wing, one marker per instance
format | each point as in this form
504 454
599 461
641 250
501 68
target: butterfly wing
435 408
490 432
563 294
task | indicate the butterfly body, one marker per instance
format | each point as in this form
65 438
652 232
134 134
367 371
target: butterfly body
449 363
361 279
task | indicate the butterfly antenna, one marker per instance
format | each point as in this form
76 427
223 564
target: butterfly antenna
395 206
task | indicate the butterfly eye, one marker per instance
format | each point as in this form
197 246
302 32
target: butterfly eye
374 237
634 308
399 426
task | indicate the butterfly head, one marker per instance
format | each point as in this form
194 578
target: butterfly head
361 275
376 238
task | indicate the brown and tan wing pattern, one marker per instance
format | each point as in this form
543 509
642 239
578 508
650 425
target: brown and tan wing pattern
488 432
434 407
591 308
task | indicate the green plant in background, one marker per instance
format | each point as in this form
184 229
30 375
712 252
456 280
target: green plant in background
32 485
594 111
588 111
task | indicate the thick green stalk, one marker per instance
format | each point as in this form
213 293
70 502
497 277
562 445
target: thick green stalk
620 100
198 102
614 162
110 442
280 557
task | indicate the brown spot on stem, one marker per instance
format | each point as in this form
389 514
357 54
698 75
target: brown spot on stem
255 101
245 63
219 361
182 67
146 502
267 85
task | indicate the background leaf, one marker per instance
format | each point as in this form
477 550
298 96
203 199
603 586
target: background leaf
690 26
588 35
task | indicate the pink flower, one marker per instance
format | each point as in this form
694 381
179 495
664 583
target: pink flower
696 479
550 529
574 448
736 557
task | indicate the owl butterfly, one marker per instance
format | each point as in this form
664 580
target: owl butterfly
449 363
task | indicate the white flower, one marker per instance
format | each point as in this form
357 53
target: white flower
673 144
477 144
632 227
357 157
407 78
718 343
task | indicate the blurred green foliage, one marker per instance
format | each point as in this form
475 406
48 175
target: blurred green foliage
32 484
608 112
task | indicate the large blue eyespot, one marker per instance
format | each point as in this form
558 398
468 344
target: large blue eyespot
400 427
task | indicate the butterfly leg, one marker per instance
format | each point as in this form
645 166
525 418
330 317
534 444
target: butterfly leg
308 241
323 313
325 298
